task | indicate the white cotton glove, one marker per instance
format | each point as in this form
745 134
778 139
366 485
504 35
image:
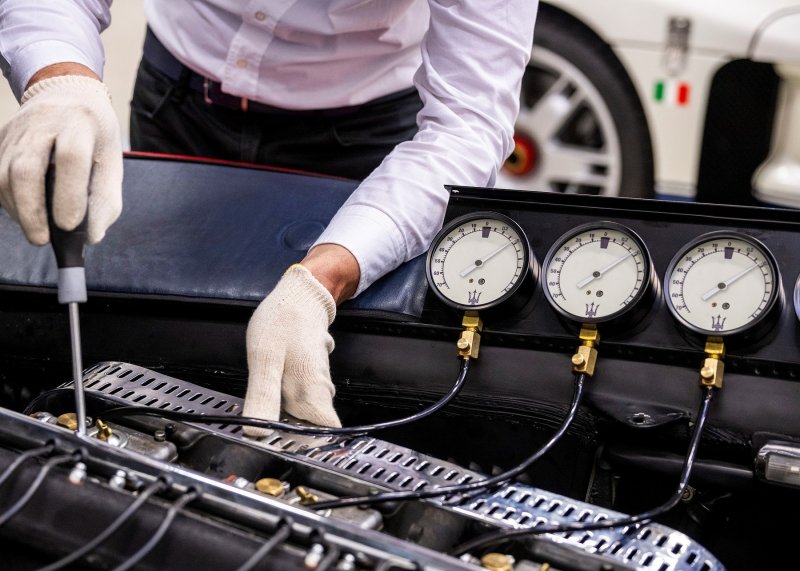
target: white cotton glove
73 113
287 352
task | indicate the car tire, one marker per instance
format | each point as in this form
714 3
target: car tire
581 127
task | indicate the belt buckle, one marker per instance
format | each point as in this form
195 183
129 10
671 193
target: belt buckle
243 101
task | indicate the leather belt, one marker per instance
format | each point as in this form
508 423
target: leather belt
162 60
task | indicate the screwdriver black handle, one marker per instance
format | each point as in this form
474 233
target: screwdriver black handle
68 246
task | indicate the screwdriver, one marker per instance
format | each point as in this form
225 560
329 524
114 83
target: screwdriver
68 247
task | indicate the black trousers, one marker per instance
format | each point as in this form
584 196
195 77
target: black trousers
169 117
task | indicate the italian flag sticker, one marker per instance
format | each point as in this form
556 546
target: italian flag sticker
671 92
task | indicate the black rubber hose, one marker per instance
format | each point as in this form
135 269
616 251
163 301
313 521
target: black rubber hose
694 443
478 485
34 452
37 481
162 529
126 411
280 535
144 495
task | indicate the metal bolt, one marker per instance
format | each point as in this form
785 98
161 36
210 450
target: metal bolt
77 475
118 480
314 556
348 563
578 359
160 435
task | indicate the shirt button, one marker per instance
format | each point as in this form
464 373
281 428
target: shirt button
241 63
260 16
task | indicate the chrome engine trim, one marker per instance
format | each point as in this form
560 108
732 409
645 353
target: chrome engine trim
650 546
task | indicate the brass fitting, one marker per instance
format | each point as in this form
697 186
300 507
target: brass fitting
305 496
713 366
585 358
103 430
470 341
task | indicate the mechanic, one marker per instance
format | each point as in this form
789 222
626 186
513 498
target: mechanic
405 95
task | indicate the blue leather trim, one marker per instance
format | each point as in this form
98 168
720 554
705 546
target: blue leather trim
210 232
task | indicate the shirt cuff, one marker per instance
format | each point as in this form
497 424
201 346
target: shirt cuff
34 57
371 236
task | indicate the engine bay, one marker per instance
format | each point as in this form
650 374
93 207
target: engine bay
215 498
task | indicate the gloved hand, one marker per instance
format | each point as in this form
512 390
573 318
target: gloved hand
74 113
287 352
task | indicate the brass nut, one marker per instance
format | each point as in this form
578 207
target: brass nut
715 347
68 420
270 487
497 562
472 321
707 373
589 334
578 359
463 344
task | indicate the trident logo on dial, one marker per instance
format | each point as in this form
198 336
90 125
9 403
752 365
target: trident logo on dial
473 297
718 322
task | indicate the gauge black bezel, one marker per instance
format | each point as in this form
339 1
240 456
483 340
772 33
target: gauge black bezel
649 284
529 273
748 328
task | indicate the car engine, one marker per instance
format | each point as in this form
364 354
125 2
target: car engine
636 437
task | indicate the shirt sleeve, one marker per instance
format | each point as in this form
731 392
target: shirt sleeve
35 34
473 59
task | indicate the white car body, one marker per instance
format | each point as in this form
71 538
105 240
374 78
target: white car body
638 32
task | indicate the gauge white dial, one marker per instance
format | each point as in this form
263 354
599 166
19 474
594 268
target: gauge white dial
596 272
477 261
721 283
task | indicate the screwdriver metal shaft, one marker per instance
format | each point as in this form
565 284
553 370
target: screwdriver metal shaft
68 247
77 367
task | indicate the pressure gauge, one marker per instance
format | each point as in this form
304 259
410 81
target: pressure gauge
723 283
599 272
481 260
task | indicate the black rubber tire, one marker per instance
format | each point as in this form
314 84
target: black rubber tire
565 36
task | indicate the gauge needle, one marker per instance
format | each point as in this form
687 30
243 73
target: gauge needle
598 273
466 271
722 285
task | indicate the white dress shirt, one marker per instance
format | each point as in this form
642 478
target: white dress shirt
465 57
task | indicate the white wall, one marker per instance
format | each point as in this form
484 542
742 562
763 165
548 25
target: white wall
123 44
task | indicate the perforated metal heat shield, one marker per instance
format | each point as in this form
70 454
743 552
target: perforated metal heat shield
387 466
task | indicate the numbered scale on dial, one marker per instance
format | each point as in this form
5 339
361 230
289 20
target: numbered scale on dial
598 273
723 283
480 261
